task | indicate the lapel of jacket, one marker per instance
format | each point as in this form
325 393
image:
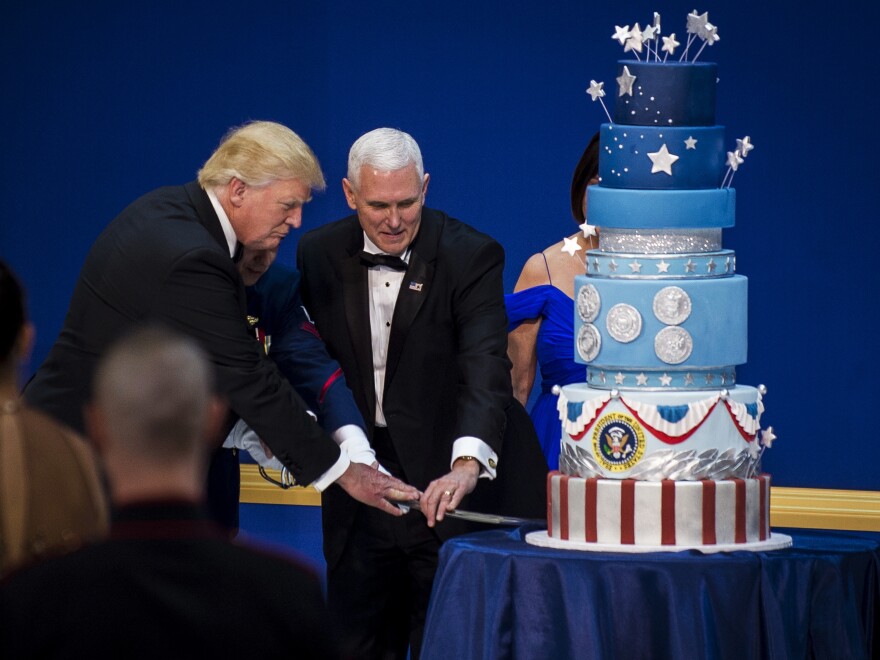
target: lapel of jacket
356 300
206 214
414 289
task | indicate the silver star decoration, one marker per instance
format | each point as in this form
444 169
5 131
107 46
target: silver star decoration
696 23
571 245
690 266
666 380
710 34
635 40
710 378
744 146
625 80
635 267
711 265
662 267
621 33
619 378
767 437
690 143
662 160
657 22
612 266
734 160
649 33
688 379
641 379
723 378
596 265
670 44
602 377
588 229
727 265
595 90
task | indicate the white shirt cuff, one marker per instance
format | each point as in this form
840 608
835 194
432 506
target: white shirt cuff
335 471
471 446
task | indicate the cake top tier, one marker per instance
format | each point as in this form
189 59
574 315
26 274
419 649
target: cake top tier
665 95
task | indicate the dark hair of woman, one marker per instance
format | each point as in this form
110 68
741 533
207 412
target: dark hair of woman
11 310
587 169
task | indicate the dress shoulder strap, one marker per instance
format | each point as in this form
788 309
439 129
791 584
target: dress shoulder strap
547 267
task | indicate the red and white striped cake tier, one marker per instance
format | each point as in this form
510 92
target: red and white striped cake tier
658 513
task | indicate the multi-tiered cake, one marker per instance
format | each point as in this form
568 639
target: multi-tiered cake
661 447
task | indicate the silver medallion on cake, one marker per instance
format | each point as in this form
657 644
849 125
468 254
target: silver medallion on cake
588 342
624 322
672 305
673 345
588 303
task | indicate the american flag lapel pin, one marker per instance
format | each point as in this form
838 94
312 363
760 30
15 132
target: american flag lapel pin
416 286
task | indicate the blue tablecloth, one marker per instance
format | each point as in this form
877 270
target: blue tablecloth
495 596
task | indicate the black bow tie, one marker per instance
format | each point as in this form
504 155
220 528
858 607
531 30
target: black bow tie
383 260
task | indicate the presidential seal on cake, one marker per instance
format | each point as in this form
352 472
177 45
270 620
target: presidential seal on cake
661 446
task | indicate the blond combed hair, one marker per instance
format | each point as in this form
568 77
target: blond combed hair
258 153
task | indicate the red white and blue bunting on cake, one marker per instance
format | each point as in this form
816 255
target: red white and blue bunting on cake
671 424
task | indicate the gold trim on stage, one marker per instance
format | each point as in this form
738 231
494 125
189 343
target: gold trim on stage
814 508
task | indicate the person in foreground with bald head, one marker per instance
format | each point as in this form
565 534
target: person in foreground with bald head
168 582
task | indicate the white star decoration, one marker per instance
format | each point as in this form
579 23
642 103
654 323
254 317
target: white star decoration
662 267
690 143
734 160
670 44
635 267
619 378
595 90
588 229
666 380
744 146
621 33
635 40
767 437
696 23
625 80
641 379
662 161
571 245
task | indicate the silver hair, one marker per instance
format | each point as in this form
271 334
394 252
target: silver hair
387 150
154 387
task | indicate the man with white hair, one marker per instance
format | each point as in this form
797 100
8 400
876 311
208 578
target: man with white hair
410 302
167 582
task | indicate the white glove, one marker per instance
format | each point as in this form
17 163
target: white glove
244 438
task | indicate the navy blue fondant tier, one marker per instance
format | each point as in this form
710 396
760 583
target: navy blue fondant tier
690 265
661 158
667 94
659 324
669 209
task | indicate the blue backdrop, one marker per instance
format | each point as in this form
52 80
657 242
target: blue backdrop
103 101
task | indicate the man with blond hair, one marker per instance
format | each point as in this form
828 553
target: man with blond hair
171 257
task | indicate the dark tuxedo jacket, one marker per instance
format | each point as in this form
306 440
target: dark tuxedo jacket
447 372
165 259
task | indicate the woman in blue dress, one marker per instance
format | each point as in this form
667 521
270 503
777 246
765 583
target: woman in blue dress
541 314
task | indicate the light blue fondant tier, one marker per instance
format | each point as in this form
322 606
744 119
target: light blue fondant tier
720 263
628 153
692 324
669 209
668 94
